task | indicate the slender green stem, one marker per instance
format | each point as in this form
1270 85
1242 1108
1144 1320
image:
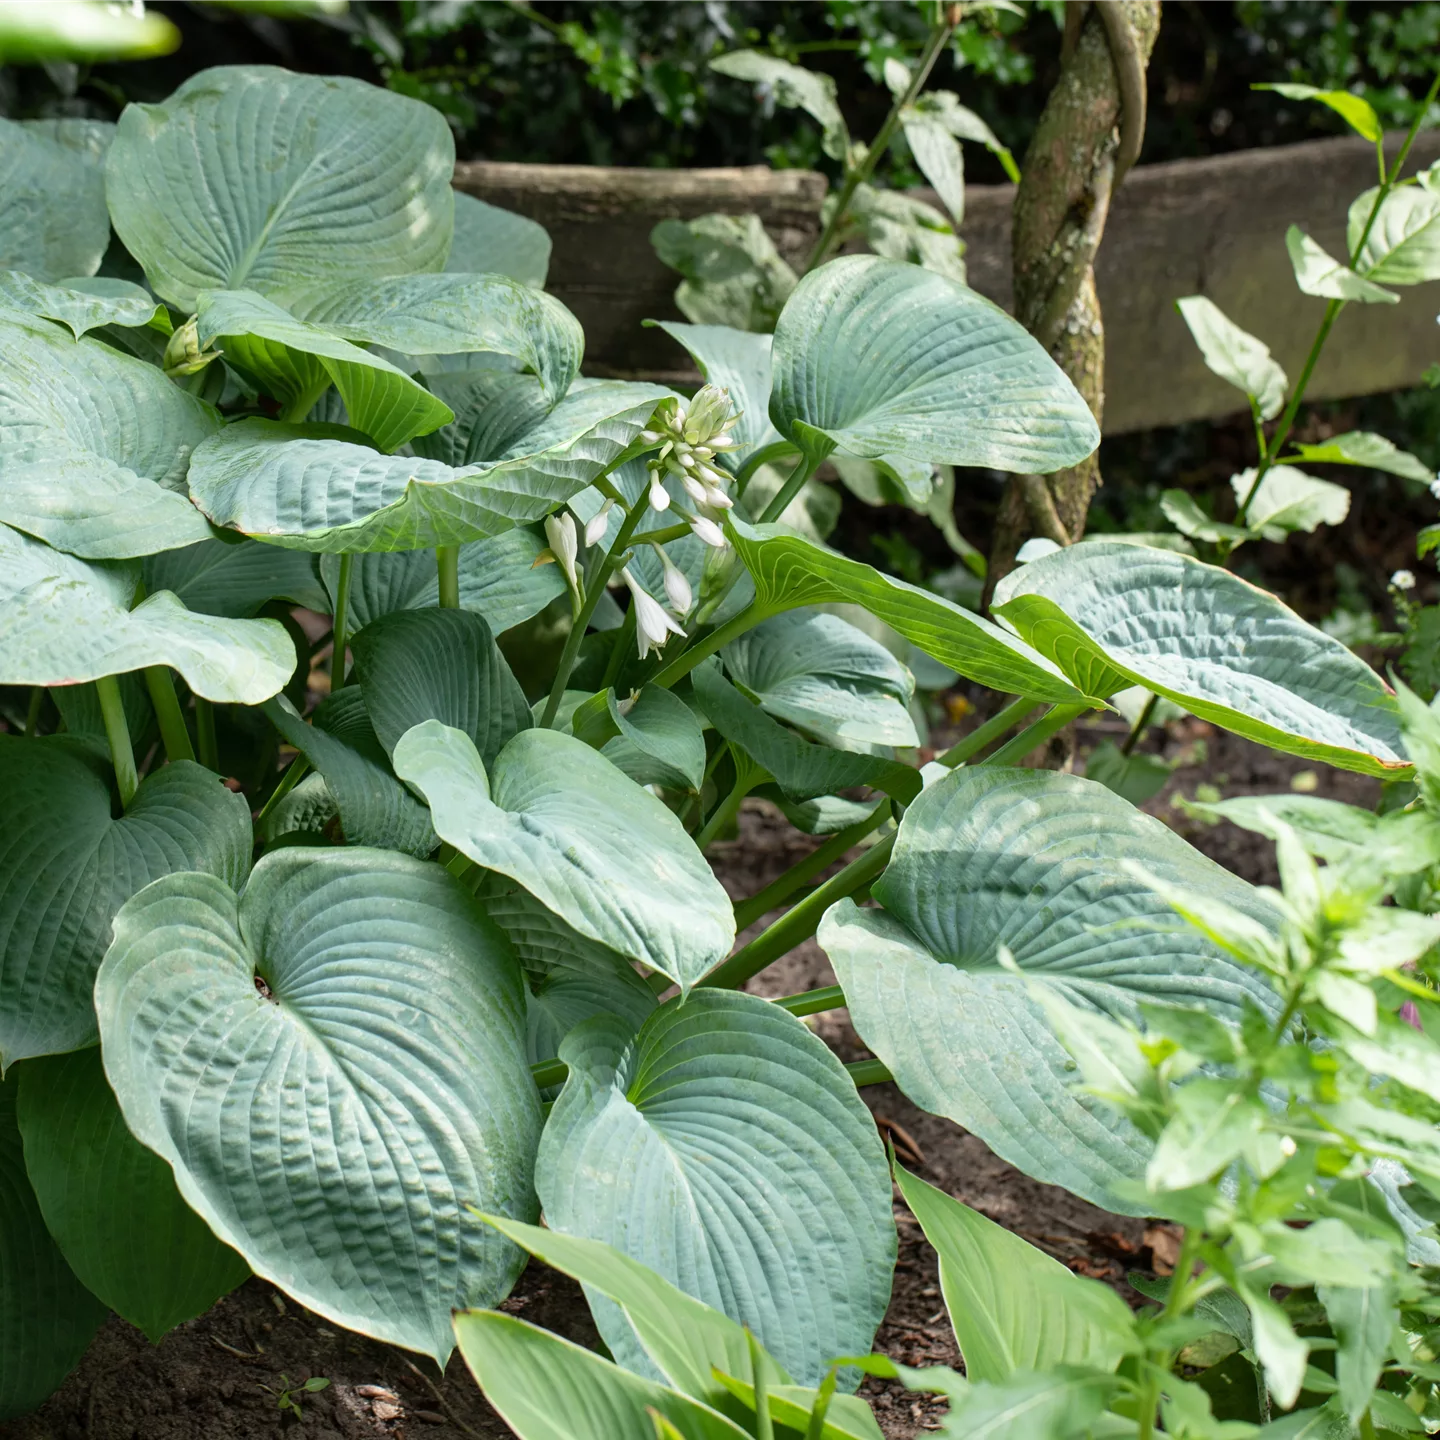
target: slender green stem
161 685
818 860
594 589
32 712
869 1072
684 663
815 1430
617 651
205 743
294 411
982 735
447 570
780 501
1035 735
549 1072
725 811
665 536
342 615
764 1425
288 781
814 1002
775 450
857 175
1141 721
117 731
1177 1303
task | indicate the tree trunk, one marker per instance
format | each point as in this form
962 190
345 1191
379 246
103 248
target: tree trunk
1074 162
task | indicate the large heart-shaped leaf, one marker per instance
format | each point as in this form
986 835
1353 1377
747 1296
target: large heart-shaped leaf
52 175
250 176
452 315
63 621
112 1205
790 571
270 481
583 838
334 1066
725 1147
67 865
1113 615
441 665
374 807
489 240
223 577
82 305
1035 862
47 1317
94 445
738 361
879 357
499 579
291 359
816 671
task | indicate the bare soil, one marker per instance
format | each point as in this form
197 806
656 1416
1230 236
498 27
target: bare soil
205 1380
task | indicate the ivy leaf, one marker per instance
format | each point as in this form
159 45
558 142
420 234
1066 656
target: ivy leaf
1318 273
384 1042
1235 355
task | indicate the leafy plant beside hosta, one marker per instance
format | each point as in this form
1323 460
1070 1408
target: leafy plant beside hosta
341 953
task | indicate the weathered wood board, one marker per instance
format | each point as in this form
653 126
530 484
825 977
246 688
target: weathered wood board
1214 227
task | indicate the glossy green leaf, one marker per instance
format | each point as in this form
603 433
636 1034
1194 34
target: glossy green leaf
112 1205
52 174
1288 500
879 358
454 314
1235 355
47 1317
222 577
739 362
1113 615
1317 272
1355 110
1403 245
794 87
733 274
490 240
726 1148
1364 447
1011 1306
790 571
821 674
80 305
69 864
269 480
440 665
546 1388
1033 861
288 358
94 445
332 1122
64 621
251 176
802 770
498 580
586 841
375 808
653 736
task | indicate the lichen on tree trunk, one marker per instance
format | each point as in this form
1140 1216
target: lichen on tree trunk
1060 210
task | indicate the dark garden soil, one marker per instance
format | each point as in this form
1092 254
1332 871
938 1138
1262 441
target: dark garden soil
205 1380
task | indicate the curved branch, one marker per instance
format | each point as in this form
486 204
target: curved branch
1130 79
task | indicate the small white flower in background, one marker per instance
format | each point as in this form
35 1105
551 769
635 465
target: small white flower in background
707 530
564 545
654 625
598 524
1435 487
677 587
1403 579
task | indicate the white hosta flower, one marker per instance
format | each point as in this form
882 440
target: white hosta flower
1403 579
659 495
703 528
1435 487
677 587
598 524
564 544
654 625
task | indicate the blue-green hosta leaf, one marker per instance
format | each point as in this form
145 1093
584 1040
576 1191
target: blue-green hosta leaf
499 579
1033 861
1288 500
223 577
490 240
816 671
332 1122
112 1205
725 1147
1235 355
67 865
1403 246
568 977
653 736
52 175
250 176
584 839
881 357
374 807
493 409
288 357
738 361
64 621
802 770
1317 272
1113 615
441 665
94 445
451 315
544 1387
47 1317
1365 447
790 571
267 480
81 305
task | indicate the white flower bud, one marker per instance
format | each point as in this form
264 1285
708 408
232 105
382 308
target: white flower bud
677 587
694 488
717 499
653 623
598 524
707 530
564 544
659 495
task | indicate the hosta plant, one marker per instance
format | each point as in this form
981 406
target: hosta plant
375 687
